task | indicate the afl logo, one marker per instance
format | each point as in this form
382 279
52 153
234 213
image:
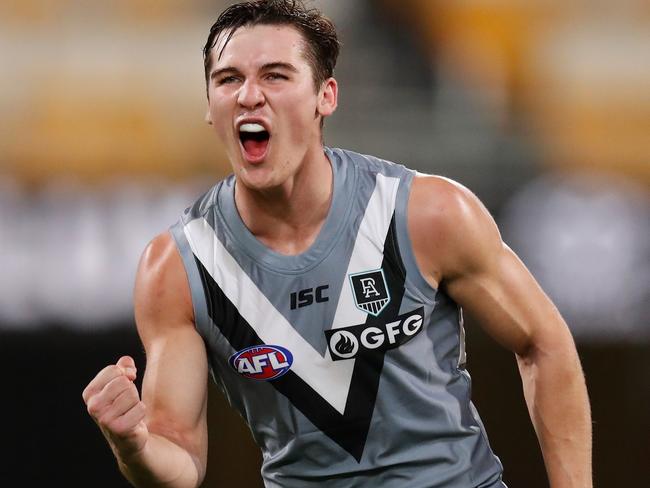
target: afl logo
263 362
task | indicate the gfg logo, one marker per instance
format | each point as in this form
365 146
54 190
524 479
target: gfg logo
264 362
345 343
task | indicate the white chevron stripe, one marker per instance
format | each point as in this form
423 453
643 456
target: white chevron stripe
331 379
368 252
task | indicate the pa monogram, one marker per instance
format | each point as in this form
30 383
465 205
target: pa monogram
370 291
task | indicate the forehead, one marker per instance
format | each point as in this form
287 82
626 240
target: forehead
257 45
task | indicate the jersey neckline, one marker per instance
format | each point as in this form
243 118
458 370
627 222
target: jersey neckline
327 236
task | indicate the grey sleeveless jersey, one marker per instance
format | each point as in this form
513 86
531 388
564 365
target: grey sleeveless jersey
345 363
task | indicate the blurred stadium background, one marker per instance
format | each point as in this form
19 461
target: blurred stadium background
541 107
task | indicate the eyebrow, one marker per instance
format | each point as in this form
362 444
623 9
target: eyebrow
265 67
279 65
222 71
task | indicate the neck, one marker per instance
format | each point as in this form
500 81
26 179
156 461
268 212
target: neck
289 217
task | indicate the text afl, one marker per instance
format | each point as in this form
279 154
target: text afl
265 362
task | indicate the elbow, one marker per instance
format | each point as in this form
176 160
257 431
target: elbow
556 354
554 343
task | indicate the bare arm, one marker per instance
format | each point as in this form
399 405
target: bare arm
459 247
167 446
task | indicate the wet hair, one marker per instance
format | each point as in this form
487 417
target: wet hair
321 41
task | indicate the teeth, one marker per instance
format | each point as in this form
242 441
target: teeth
251 128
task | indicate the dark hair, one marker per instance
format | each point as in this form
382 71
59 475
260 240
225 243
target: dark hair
321 41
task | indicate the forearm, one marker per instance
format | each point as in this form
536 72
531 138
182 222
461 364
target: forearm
161 463
558 404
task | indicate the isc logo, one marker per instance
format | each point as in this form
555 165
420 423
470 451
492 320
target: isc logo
264 362
306 297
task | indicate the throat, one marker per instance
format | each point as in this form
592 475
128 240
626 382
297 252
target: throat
290 246
288 218
287 232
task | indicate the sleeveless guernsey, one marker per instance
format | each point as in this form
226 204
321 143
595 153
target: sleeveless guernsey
345 363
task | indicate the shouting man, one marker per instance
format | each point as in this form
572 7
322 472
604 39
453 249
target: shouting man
322 289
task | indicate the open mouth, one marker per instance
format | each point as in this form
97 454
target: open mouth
254 139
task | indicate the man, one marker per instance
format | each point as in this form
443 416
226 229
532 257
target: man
322 288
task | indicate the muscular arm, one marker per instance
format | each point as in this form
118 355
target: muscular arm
458 247
167 447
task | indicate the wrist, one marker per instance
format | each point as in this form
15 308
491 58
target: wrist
128 451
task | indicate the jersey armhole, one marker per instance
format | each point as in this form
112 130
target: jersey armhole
413 273
197 292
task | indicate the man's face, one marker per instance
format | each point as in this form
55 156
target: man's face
263 104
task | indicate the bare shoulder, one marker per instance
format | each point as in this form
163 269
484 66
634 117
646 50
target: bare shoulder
162 296
451 230
440 198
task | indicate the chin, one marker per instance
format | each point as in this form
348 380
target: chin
257 178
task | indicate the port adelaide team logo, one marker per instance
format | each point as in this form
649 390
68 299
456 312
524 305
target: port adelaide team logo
265 362
370 291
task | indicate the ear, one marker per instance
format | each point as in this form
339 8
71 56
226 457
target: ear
328 97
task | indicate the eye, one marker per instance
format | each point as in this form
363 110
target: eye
226 80
276 76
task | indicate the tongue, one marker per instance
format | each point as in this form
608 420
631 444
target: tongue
254 148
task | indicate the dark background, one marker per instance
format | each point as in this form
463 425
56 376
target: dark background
49 440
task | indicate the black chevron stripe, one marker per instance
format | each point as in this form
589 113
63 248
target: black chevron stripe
349 430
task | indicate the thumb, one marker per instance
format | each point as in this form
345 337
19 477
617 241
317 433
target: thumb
127 365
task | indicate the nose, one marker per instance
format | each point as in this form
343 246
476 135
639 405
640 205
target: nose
250 95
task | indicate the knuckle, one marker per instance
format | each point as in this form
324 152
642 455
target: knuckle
100 380
123 426
120 427
108 371
91 388
113 368
92 407
128 396
116 386
106 424
122 382
139 408
133 396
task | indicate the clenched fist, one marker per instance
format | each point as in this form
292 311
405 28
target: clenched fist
114 404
